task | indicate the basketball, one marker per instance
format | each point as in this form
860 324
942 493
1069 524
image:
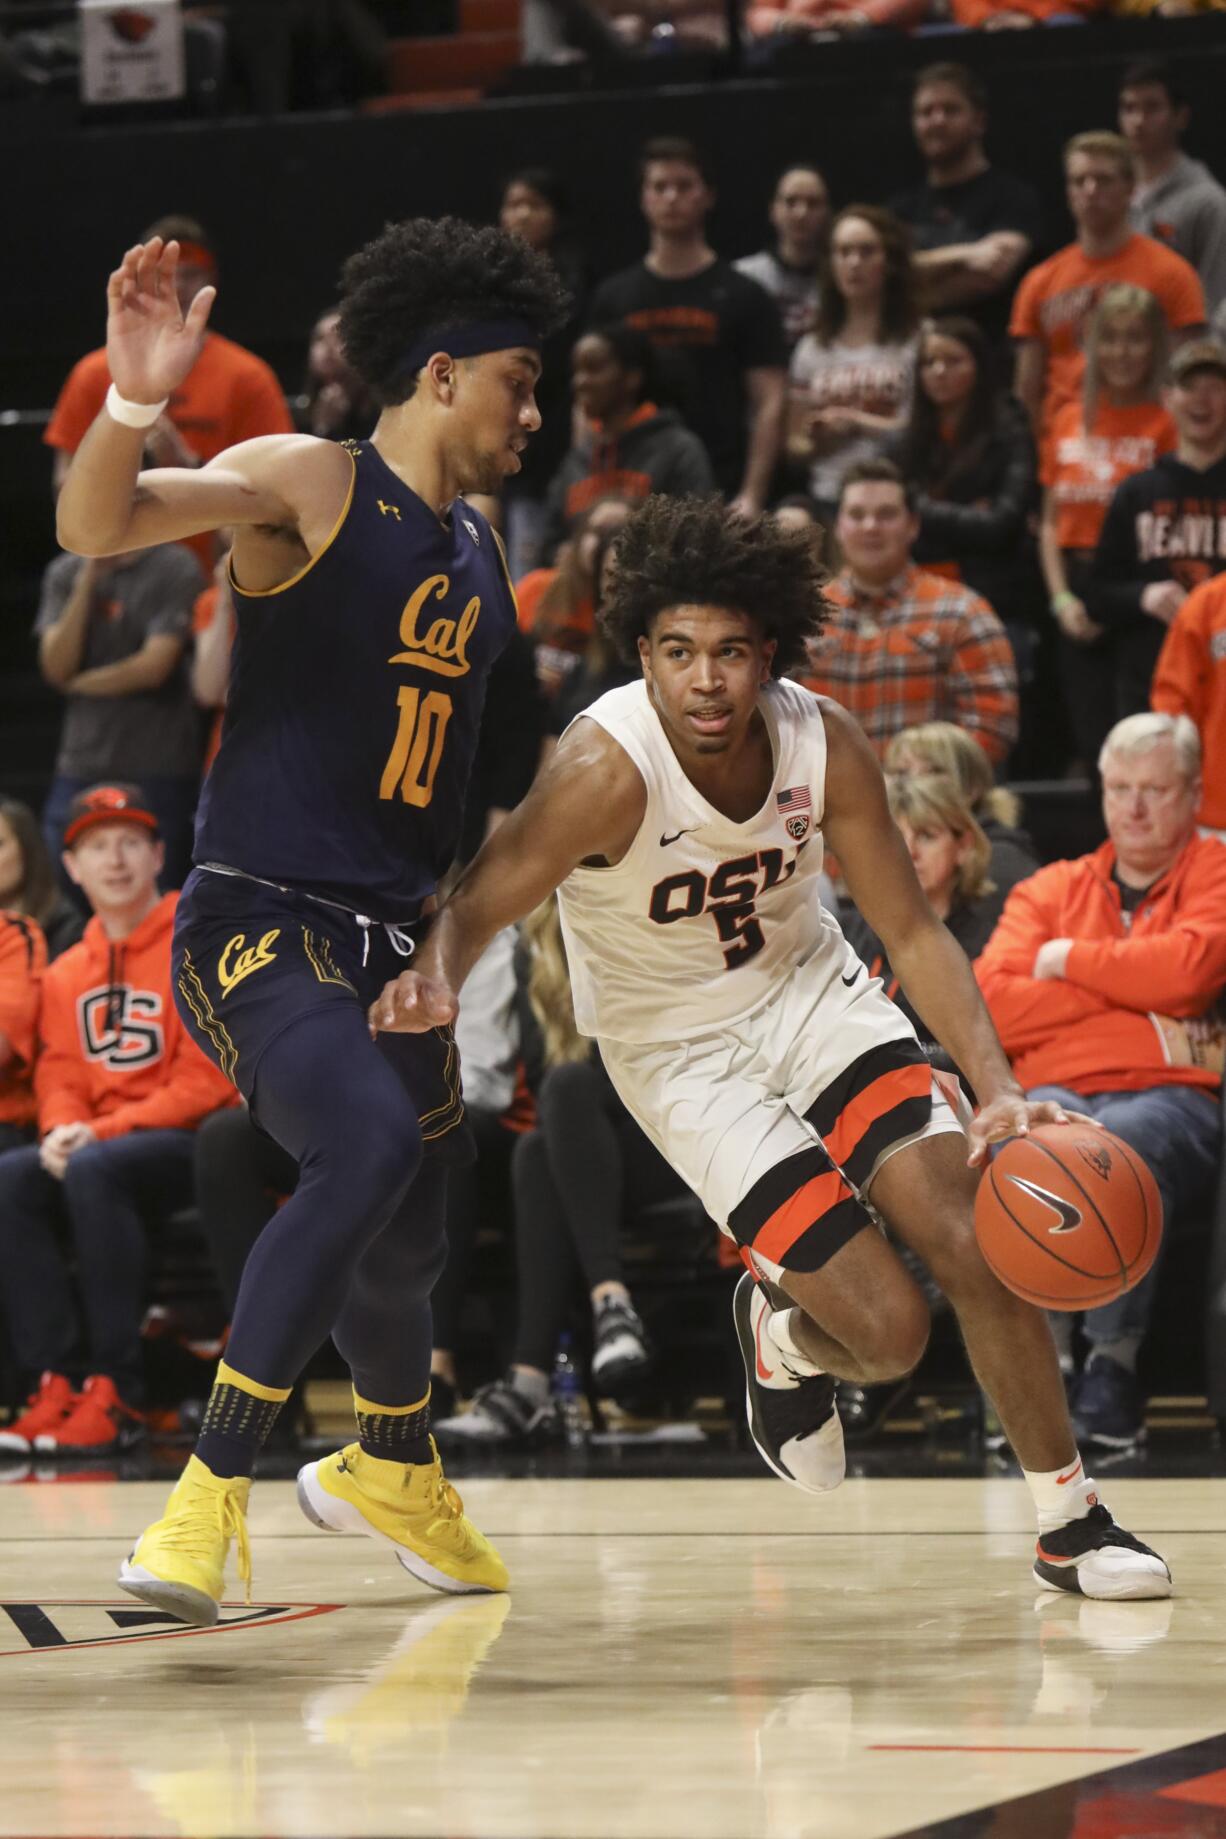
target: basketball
1068 1217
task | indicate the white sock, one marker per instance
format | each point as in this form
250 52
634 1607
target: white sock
779 1328
1061 1495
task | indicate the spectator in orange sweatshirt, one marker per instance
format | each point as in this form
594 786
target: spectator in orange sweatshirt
120 1088
23 959
1190 679
1101 978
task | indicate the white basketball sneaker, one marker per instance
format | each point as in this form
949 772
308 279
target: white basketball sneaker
792 1414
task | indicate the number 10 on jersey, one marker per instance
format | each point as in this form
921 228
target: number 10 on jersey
418 746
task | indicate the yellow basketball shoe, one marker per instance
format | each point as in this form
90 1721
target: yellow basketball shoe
410 1506
179 1563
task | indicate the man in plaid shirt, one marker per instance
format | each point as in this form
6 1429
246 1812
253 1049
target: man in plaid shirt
904 646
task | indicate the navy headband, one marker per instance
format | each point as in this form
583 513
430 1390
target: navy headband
469 341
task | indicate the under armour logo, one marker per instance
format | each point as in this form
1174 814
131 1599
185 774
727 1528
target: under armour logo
473 532
389 510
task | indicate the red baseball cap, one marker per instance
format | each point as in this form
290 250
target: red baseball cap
107 804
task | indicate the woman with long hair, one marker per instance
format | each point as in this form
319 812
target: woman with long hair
944 748
850 378
27 879
1117 428
968 453
952 860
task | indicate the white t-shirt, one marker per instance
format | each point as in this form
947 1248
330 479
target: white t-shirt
876 378
703 919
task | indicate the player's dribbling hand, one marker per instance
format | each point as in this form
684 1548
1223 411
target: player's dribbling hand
150 345
1015 1116
412 1004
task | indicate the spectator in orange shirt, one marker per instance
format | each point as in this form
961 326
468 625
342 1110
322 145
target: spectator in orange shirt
903 647
1190 679
121 1087
1015 15
23 959
1100 978
1055 299
229 396
1119 427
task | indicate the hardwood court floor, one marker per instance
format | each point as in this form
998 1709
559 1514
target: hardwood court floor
709 1659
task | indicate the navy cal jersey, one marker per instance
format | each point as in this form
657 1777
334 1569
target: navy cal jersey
355 697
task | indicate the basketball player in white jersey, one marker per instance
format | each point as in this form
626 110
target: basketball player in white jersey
682 821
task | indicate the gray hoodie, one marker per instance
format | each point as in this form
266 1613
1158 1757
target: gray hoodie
1186 210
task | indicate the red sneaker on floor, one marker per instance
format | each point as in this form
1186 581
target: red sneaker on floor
99 1423
46 1409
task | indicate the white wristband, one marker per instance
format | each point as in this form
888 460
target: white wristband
133 414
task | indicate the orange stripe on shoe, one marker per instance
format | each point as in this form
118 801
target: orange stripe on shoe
801 1210
862 1112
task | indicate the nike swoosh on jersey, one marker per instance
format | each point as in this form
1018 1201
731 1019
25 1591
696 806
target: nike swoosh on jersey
1070 1216
850 980
666 840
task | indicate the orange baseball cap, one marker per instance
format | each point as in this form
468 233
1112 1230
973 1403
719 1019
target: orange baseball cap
107 804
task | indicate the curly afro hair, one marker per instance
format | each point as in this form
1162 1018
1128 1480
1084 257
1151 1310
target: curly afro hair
438 271
694 552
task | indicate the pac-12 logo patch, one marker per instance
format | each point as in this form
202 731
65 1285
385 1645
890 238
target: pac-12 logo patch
473 532
795 808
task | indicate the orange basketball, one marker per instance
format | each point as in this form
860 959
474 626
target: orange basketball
1068 1217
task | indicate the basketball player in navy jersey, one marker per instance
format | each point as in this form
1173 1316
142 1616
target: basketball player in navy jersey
371 601
682 821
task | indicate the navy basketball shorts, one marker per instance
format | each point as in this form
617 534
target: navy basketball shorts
249 961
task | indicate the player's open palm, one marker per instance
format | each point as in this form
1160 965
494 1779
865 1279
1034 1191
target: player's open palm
150 345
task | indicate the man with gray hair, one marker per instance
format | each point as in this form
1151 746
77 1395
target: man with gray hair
1101 977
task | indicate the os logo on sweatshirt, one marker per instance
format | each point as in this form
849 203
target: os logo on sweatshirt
120 1026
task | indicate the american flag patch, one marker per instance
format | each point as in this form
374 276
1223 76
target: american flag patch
795 799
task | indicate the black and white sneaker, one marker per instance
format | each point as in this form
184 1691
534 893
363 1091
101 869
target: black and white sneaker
1095 1557
792 1414
500 1415
621 1351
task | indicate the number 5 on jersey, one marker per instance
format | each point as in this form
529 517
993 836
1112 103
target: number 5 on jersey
418 746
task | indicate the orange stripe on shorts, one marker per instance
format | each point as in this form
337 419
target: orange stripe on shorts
862 1112
800 1211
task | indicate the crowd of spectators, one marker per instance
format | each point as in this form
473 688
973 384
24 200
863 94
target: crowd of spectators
1007 454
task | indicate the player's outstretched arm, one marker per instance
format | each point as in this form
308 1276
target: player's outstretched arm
587 804
106 504
931 966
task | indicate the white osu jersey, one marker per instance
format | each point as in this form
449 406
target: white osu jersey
703 919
